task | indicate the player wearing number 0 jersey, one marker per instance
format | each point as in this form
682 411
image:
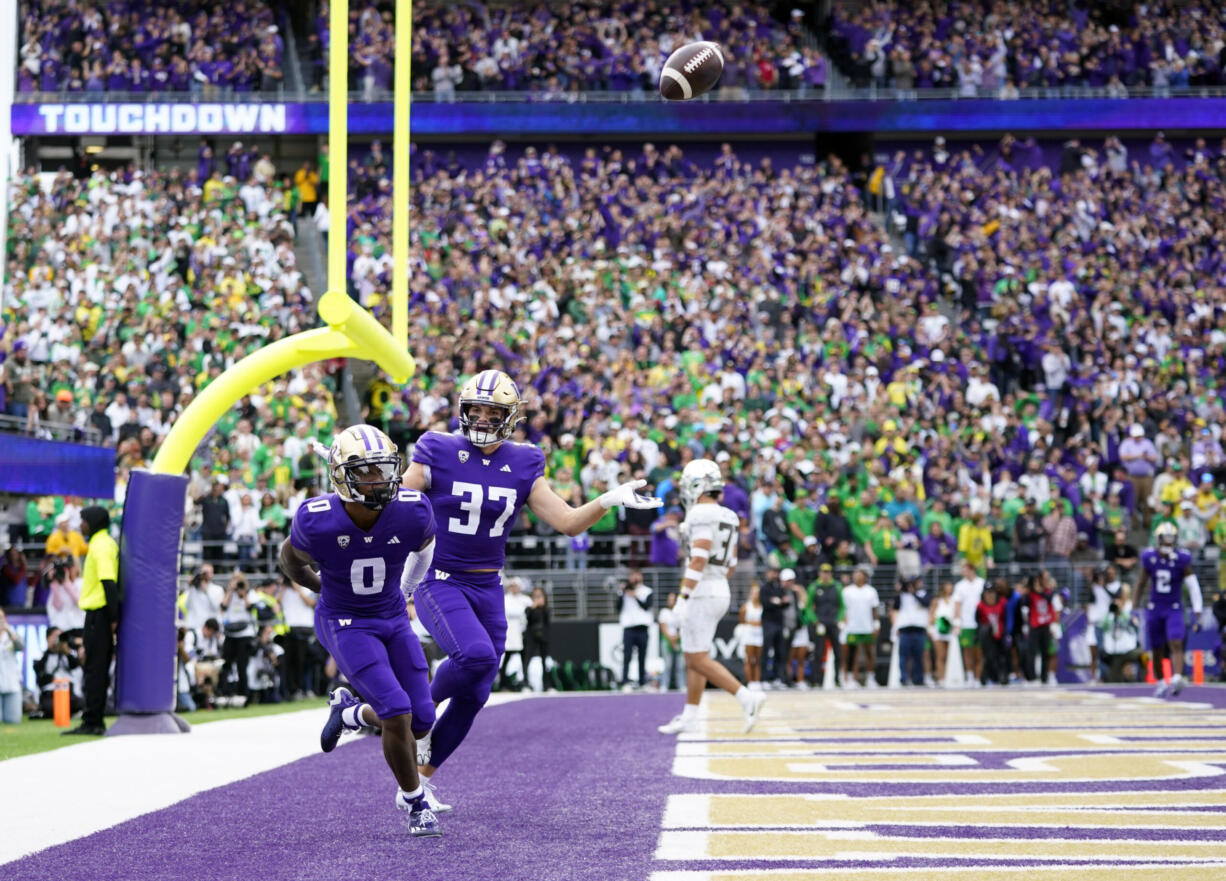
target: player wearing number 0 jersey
366 537
1169 570
711 531
477 481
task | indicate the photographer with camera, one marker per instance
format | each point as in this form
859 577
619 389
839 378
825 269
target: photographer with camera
185 670
634 615
239 626
10 673
1121 639
202 599
62 658
208 662
263 673
63 596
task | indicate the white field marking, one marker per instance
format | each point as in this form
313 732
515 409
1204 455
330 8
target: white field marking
911 760
694 811
971 740
699 768
1056 872
1101 739
826 845
170 768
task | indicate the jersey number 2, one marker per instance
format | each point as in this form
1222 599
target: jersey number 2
473 495
1162 581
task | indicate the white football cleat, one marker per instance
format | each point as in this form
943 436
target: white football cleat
423 749
678 725
754 711
432 800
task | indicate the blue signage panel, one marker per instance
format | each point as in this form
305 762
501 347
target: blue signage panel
55 468
635 118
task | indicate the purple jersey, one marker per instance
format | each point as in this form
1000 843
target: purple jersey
360 570
1166 572
476 496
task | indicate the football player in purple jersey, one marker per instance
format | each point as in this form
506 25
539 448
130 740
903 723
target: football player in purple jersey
477 482
1170 570
368 537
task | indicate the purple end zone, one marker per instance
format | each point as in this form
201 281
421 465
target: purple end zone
565 789
561 789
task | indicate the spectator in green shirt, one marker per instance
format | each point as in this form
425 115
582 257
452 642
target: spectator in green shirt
1002 534
864 517
882 546
937 514
801 522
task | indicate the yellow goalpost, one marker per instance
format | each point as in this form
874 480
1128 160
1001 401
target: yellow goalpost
351 331
152 526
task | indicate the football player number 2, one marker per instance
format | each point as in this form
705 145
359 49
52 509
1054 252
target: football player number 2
1162 581
472 496
367 575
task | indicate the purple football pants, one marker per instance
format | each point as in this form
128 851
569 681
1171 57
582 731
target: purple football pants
384 660
466 615
1165 624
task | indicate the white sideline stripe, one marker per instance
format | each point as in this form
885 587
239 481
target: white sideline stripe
1052 870
142 774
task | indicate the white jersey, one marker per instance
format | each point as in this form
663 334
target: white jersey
721 526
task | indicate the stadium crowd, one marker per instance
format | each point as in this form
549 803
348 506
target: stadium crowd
134 46
574 47
996 49
1020 365
764 316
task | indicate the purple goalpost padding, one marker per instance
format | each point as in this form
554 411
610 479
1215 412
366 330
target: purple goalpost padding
148 575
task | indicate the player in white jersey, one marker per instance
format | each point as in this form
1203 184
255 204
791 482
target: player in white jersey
711 531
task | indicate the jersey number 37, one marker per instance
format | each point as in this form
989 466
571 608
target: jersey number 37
472 497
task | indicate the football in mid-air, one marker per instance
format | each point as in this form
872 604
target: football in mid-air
690 71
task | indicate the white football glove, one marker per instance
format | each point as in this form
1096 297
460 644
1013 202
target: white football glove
679 611
626 496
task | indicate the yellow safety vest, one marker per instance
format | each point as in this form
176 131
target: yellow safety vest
101 564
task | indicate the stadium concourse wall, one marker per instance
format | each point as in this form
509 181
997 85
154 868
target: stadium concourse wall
642 118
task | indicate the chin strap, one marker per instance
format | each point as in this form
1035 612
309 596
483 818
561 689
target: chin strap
415 568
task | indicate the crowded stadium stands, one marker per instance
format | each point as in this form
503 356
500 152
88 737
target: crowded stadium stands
136 46
578 47
995 336
991 49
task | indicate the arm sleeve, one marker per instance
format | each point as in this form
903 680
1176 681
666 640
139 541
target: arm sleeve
1192 583
415 568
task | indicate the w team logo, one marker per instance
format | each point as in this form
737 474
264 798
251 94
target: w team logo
463 456
343 541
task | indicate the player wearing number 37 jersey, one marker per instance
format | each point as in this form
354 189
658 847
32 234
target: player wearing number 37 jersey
368 537
477 481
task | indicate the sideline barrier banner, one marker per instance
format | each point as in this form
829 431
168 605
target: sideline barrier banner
647 117
32 466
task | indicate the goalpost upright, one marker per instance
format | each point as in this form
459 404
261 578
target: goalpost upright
155 501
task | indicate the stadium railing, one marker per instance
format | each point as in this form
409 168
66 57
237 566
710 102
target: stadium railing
725 95
60 431
592 592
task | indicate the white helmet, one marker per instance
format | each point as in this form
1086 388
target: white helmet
699 478
1167 537
365 466
496 389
